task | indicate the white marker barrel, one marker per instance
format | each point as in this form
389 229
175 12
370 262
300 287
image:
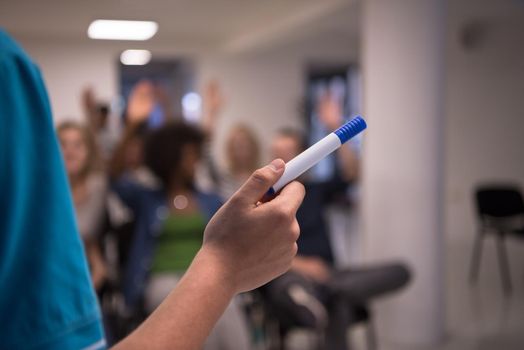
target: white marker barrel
305 160
298 165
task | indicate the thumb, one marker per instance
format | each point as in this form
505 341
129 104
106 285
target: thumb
260 182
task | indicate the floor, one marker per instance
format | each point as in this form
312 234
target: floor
478 317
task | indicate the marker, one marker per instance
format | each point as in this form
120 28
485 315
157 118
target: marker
314 154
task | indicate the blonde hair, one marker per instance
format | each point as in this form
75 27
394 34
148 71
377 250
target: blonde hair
93 162
255 147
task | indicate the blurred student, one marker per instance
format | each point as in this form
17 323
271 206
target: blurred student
48 301
242 149
128 156
242 158
98 118
140 116
89 188
170 220
314 293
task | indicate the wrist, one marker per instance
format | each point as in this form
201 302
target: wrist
216 270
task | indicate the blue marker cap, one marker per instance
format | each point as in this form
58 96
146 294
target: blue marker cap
350 129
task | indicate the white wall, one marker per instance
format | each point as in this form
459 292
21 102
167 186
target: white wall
484 142
69 67
402 179
485 114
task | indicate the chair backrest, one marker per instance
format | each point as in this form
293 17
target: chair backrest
499 201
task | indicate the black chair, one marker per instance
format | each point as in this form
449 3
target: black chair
277 326
500 210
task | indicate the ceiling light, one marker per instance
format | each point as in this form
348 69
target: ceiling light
122 30
192 107
135 57
191 101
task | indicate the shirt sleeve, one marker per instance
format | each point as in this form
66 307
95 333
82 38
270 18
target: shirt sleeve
46 298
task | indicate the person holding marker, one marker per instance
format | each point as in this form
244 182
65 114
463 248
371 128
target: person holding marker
47 300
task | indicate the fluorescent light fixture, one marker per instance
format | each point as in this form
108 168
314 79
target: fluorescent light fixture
121 30
135 57
192 102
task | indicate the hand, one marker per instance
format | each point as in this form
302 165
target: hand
88 100
141 102
90 107
255 242
213 97
330 112
213 102
313 268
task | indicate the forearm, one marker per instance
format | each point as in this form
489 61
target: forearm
185 318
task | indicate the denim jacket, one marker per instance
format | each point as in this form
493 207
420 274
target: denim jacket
150 210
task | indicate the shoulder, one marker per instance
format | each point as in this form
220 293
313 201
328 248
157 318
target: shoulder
12 53
9 46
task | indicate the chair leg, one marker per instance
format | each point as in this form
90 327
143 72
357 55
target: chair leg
475 258
371 336
503 264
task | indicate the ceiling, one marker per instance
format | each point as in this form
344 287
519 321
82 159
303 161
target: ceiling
232 25
225 25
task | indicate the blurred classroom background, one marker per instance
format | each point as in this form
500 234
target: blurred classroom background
433 183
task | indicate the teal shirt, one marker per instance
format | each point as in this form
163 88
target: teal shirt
46 297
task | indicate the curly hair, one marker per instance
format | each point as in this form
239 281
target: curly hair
164 147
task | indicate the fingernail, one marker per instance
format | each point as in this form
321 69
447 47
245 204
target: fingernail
277 164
